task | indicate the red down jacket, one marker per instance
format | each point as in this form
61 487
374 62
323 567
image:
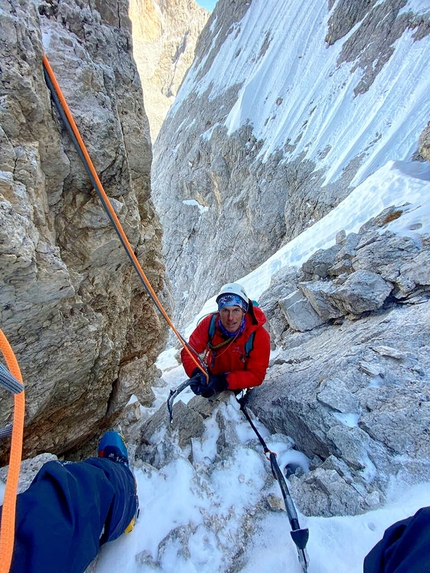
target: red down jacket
243 372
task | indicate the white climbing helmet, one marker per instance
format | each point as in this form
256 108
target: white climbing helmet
234 288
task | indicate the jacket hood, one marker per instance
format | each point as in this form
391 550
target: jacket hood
258 318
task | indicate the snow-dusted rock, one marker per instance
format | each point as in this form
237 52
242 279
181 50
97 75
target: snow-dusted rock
353 392
356 392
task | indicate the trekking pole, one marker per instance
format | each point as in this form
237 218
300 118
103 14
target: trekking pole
299 536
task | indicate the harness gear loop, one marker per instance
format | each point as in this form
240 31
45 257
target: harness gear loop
69 122
7 534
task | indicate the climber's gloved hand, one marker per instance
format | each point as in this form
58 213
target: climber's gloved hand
217 383
198 382
244 398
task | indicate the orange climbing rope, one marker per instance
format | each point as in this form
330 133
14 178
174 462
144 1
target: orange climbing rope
67 117
7 534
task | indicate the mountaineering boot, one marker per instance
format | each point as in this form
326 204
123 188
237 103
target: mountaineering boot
112 447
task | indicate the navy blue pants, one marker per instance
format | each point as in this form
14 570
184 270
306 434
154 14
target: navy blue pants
405 547
68 512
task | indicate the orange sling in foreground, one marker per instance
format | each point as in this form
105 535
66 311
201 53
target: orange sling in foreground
7 534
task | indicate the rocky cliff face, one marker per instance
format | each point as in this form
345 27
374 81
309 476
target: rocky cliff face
83 328
275 124
349 384
164 40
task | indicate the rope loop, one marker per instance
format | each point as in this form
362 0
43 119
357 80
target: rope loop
14 378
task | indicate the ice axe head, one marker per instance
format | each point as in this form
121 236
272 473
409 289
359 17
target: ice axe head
300 537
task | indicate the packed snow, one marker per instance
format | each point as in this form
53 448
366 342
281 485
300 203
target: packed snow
293 89
175 496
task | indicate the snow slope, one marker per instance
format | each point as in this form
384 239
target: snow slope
293 89
175 498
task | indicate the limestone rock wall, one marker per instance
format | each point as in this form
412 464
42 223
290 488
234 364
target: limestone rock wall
350 383
83 328
164 40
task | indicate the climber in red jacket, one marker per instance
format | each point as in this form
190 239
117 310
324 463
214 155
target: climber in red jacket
232 343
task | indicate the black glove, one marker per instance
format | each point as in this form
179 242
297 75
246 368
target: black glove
243 399
198 382
217 383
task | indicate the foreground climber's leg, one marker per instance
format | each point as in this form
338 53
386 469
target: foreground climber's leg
71 509
404 547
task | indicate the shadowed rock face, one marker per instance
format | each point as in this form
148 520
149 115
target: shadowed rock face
83 328
225 206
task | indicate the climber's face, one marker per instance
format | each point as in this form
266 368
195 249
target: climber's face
231 317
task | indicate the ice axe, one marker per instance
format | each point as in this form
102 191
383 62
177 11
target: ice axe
299 535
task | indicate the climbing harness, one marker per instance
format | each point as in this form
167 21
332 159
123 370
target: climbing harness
69 122
299 536
11 380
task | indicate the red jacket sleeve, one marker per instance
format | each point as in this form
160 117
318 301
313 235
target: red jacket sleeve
198 341
256 365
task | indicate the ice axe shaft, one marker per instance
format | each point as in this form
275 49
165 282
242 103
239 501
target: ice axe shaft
299 536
